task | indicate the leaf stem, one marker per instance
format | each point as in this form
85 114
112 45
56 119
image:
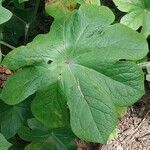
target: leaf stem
144 65
24 22
6 44
27 27
35 10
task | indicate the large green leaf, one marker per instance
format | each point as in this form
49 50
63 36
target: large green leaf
4 145
13 117
44 139
5 14
138 14
91 61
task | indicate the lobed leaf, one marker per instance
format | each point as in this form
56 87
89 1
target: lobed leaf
138 14
91 61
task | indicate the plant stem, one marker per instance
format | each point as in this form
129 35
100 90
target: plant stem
35 10
24 22
27 27
144 65
26 33
6 44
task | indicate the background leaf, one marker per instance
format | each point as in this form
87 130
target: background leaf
62 8
42 139
4 145
13 117
138 14
5 14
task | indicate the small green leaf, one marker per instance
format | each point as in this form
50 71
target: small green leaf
34 124
62 8
138 14
43 140
5 14
32 135
4 145
13 117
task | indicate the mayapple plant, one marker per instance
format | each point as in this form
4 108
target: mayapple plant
85 64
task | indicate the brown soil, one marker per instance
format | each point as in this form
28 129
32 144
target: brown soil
134 129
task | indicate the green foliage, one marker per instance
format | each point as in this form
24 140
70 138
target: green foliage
75 80
5 14
62 8
138 14
53 107
24 23
14 30
148 71
13 117
4 145
84 62
42 138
